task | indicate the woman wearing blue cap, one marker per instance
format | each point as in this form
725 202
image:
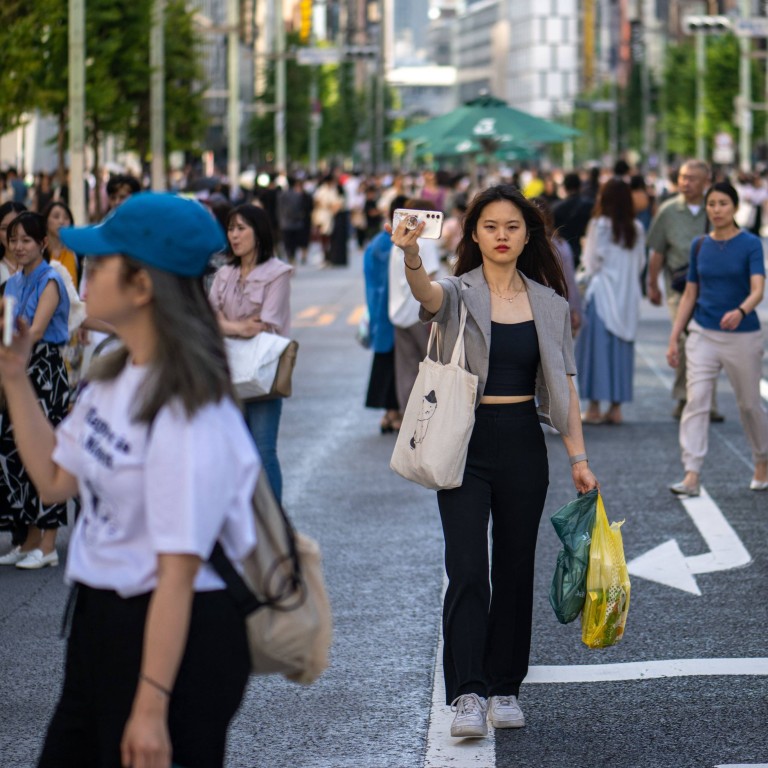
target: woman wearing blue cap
157 658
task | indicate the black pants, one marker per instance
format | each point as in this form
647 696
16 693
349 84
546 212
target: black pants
487 627
102 669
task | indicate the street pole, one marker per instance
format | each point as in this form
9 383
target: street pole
280 88
314 122
379 105
701 64
745 94
645 85
77 110
157 95
233 87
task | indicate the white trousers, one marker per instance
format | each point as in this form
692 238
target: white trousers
741 355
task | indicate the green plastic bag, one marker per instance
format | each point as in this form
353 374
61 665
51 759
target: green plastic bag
573 524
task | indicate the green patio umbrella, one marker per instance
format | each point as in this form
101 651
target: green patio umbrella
489 119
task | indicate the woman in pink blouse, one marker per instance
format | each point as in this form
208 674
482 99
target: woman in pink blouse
251 295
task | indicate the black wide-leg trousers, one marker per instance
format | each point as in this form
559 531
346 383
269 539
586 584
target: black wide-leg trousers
487 623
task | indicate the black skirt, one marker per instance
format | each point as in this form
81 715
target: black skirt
20 505
381 387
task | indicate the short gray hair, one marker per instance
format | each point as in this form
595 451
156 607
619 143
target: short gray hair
698 165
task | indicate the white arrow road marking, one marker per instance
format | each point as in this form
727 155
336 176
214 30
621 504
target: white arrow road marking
667 565
646 670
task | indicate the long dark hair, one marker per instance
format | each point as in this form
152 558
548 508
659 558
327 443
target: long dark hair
258 220
538 261
615 202
5 209
190 361
58 204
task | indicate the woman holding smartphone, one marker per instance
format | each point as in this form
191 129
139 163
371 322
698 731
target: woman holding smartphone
518 342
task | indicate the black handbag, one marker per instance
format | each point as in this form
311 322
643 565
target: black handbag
679 277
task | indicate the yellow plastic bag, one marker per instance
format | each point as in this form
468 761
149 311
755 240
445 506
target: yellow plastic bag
607 603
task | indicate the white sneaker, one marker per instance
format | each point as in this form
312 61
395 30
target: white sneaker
36 559
13 557
469 722
505 712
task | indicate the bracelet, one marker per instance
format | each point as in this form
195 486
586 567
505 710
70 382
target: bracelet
741 309
577 458
155 684
415 269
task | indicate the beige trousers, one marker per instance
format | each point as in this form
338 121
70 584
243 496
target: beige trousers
741 355
679 386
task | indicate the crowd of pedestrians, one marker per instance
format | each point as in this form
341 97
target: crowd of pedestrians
552 268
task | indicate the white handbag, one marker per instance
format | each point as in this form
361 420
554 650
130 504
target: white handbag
253 363
431 448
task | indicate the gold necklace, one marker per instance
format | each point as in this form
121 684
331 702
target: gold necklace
506 298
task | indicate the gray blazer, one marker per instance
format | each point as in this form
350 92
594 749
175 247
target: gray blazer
553 327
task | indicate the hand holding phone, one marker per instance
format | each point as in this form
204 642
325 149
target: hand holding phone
433 221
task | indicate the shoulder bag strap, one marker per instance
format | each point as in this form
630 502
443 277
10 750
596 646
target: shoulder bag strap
458 357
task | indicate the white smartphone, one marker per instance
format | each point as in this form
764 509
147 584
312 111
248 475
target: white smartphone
433 219
8 318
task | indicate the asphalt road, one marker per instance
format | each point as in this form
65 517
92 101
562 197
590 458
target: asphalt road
382 548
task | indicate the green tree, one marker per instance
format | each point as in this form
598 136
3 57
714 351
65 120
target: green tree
34 41
721 87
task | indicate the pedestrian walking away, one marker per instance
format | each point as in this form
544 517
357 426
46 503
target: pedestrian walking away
252 295
382 390
41 301
613 258
726 282
678 222
157 657
518 343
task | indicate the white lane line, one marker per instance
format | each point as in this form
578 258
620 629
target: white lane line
444 751
742 765
646 670
764 389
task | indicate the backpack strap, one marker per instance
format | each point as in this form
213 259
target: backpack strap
245 600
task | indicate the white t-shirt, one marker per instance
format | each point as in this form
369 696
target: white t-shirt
403 308
176 488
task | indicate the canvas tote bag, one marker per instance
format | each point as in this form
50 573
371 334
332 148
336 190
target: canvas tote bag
253 363
431 448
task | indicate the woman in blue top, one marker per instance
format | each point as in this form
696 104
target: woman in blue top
726 280
382 392
41 300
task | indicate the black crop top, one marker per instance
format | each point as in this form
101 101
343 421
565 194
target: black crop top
513 359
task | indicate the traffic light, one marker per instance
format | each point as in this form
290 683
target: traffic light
305 20
706 25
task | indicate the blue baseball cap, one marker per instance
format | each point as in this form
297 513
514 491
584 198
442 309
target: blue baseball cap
159 229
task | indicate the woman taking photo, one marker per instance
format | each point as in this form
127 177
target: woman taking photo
157 656
250 295
726 281
41 302
518 332
613 260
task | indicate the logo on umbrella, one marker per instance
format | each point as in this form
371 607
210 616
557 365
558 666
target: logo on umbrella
485 127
